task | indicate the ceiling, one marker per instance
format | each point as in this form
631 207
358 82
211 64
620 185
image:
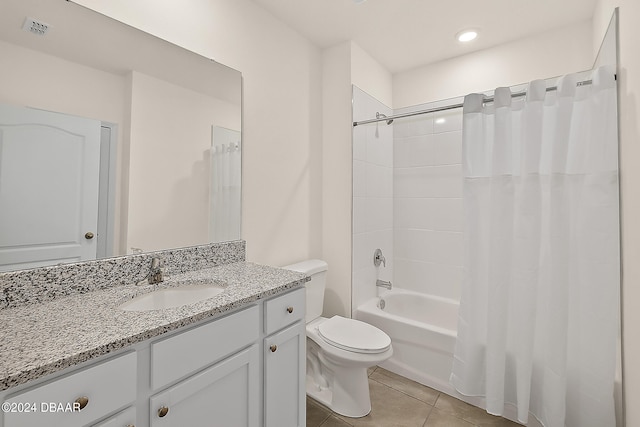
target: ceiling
404 34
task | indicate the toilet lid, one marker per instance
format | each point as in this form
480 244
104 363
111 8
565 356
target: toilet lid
353 335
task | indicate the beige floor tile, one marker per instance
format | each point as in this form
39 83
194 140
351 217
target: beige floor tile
316 414
441 419
474 415
391 408
405 385
498 422
334 421
371 370
399 402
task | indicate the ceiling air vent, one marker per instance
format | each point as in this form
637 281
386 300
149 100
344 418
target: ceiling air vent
36 27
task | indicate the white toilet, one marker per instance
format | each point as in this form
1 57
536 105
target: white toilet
339 350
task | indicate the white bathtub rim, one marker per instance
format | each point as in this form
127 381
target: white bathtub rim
371 307
430 296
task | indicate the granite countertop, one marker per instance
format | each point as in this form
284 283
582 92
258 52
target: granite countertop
40 339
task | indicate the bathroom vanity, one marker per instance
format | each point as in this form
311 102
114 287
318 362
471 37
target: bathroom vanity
236 359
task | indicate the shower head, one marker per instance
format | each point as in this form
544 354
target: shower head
380 115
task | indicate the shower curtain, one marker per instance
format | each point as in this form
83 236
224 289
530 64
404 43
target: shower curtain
539 310
225 209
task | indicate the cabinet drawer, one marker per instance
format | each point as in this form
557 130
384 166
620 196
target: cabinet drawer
108 386
284 310
176 357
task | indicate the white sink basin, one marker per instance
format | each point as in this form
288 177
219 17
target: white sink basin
171 297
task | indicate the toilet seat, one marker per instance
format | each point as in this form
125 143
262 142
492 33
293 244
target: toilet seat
353 335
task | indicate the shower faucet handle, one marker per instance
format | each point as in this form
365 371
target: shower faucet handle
379 258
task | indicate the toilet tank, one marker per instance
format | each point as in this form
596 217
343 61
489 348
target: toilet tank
317 270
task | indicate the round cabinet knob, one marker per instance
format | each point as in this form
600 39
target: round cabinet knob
163 411
82 402
130 425
88 235
273 348
289 309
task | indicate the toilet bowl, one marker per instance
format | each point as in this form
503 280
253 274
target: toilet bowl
339 350
337 366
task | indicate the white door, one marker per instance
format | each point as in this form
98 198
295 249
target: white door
49 171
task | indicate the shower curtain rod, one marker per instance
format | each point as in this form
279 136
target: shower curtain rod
451 107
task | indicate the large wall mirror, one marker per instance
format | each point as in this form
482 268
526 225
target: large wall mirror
112 141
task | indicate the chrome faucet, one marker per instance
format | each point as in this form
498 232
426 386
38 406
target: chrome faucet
383 284
155 275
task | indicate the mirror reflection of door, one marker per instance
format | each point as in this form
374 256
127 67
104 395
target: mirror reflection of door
49 175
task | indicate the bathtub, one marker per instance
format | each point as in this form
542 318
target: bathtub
423 333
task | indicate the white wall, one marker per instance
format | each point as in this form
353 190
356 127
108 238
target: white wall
427 202
171 129
550 54
370 76
629 119
336 177
343 65
43 81
372 197
282 116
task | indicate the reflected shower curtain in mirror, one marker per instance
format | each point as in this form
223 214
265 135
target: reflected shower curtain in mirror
539 310
225 209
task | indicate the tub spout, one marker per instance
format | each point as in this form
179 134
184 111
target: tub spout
383 284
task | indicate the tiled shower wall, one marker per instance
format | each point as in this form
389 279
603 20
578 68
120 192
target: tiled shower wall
427 195
407 199
372 197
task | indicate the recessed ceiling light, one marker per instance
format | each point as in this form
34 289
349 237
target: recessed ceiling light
467 35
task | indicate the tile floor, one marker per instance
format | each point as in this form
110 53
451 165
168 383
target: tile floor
399 402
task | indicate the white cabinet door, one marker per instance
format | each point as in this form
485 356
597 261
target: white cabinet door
284 377
126 418
224 395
